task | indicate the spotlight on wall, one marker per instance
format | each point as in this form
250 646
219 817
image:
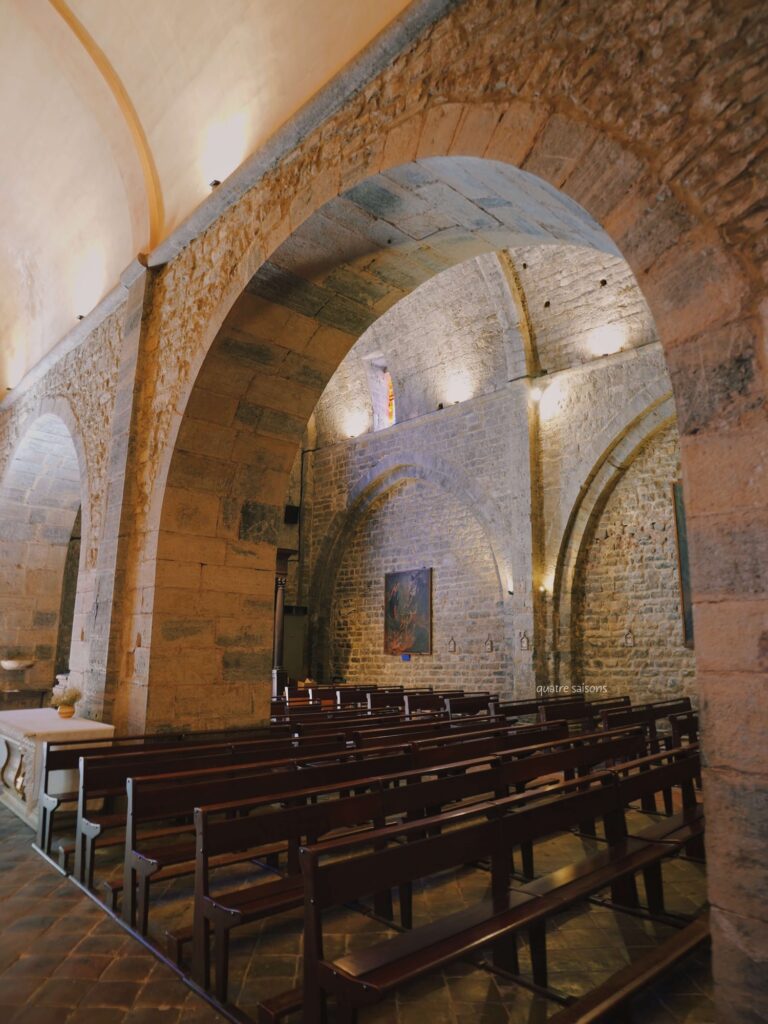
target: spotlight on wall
489 644
629 638
80 316
214 183
525 643
451 646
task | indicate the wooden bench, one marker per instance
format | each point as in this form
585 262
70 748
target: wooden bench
364 977
60 756
471 704
103 779
223 838
152 799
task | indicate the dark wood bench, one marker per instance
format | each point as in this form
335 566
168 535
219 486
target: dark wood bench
60 756
364 977
152 799
471 704
103 780
223 838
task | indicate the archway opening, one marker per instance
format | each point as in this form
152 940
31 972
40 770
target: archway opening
40 497
565 308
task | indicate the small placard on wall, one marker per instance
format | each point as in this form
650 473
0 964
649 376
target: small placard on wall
405 657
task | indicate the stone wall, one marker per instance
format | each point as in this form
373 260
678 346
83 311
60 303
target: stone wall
429 492
628 580
416 524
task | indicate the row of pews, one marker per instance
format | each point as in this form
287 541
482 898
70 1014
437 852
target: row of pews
355 795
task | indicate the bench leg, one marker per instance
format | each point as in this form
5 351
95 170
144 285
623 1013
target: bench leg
654 888
537 937
142 905
345 1012
406 905
526 849
221 949
505 954
695 848
201 954
382 904
624 892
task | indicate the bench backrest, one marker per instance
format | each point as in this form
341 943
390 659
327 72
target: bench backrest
340 881
684 726
471 704
573 710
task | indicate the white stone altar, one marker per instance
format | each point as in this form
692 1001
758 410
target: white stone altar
22 734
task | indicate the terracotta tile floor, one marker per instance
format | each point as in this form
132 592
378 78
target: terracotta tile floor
62 960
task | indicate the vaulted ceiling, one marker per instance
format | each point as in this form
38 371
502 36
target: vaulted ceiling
116 117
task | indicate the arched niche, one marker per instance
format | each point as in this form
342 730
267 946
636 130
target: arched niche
40 502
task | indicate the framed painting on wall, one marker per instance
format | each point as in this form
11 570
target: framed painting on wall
408 612
683 565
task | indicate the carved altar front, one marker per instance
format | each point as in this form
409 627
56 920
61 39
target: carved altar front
22 735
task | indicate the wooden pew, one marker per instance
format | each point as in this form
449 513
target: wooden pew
364 977
153 798
60 756
103 778
471 704
222 838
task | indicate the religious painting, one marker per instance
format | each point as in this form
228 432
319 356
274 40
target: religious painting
683 564
408 612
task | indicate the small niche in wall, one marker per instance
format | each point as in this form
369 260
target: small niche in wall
382 392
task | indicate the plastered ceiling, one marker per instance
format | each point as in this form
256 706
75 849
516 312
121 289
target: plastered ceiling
116 116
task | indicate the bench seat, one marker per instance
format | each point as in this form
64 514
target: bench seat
374 971
621 987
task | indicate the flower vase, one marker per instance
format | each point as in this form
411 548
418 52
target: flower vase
66 710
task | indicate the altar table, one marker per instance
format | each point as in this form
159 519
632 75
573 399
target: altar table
22 734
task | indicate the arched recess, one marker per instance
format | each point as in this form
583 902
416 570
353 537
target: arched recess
469 539
43 513
276 350
522 93
592 498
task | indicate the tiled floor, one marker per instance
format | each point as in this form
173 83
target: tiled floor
62 960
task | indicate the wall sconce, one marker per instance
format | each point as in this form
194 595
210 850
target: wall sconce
629 638
489 644
543 591
214 183
525 643
451 646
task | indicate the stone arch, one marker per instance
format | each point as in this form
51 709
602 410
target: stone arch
606 472
373 485
43 494
512 84
371 492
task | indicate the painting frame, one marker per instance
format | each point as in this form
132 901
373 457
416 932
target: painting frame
408 612
683 563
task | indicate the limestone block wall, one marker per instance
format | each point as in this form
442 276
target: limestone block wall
412 525
628 580
438 492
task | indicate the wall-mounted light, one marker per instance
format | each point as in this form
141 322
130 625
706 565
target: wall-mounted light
489 644
451 646
525 643
80 316
629 638
214 183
